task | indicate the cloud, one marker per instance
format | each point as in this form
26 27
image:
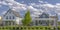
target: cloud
58 13
3 3
16 6
57 3
48 5
22 2
36 9
49 8
4 12
13 4
32 8
42 1
0 5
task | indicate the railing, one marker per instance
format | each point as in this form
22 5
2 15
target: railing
44 19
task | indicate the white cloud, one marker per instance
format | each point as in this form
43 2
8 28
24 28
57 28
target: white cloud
32 4
18 6
57 3
4 12
48 5
58 13
22 2
3 3
10 4
42 1
13 4
0 5
32 8
36 11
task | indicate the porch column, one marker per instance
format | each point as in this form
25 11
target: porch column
11 23
3 22
34 23
8 23
38 22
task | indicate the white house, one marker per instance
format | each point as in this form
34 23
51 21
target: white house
11 17
45 19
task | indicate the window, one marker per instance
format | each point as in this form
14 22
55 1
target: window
39 21
6 17
43 16
10 17
9 22
9 11
36 22
13 17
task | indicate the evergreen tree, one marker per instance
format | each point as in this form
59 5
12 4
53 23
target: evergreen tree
27 19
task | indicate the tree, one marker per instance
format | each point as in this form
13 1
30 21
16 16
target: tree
27 18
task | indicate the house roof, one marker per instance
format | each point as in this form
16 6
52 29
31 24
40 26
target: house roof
44 15
14 12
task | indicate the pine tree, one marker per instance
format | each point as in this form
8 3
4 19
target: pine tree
27 19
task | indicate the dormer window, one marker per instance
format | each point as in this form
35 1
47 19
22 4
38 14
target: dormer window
44 15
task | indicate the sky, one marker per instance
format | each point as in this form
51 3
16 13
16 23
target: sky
36 7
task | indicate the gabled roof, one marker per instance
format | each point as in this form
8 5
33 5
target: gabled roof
44 14
14 12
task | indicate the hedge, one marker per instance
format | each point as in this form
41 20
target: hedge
28 28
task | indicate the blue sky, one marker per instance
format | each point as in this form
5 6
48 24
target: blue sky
36 6
52 1
37 1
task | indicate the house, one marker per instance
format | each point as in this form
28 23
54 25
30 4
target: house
44 19
11 17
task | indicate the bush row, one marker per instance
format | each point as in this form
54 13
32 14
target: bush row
28 28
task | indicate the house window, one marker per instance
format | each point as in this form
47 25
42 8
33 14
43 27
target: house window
10 17
13 17
39 21
6 17
43 16
10 12
36 22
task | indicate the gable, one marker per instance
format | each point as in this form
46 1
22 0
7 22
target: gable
44 15
12 12
8 13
